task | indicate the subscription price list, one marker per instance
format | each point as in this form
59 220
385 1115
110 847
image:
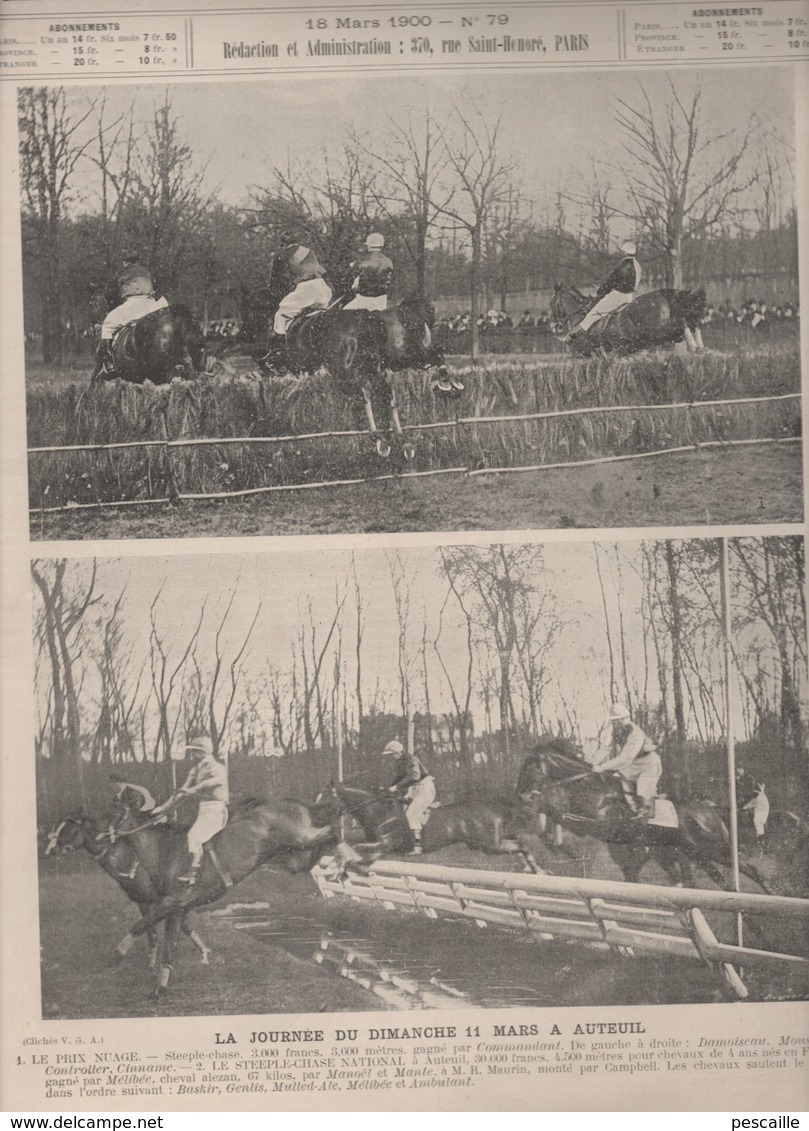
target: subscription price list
87 46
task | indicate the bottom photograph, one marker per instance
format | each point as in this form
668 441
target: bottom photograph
428 778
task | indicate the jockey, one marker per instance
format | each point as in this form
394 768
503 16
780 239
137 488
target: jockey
617 290
636 760
373 275
137 294
208 780
309 289
415 785
751 798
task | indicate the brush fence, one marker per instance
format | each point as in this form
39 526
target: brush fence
163 470
628 918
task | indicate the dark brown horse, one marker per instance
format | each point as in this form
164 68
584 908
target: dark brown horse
119 859
657 318
488 826
573 795
165 344
257 832
361 349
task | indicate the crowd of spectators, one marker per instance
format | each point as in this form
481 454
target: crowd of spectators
222 328
533 333
755 313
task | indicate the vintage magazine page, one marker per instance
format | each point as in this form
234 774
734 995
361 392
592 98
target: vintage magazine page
404 652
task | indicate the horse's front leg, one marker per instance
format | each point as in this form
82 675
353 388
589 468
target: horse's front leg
382 445
408 448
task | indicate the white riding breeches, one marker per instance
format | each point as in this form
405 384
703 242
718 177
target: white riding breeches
313 292
367 302
130 310
420 797
612 301
759 809
211 819
645 773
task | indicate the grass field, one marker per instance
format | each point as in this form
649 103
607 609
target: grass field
237 405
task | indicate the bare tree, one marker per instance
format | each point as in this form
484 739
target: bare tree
681 178
482 180
52 142
62 625
170 192
412 194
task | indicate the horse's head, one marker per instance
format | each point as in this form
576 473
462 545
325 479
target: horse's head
567 307
68 835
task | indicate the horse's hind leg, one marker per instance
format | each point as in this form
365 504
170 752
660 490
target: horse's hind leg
196 940
408 448
171 928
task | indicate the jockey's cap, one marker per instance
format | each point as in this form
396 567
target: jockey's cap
201 743
618 711
491 313
628 247
299 254
375 240
394 747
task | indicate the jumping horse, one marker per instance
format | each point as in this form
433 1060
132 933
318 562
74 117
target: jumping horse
119 860
259 831
486 825
361 349
558 782
656 318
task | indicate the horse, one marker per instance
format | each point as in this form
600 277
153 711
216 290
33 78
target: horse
652 319
119 859
258 831
162 345
488 826
573 795
360 349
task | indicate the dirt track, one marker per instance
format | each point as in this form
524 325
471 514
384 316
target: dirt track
699 489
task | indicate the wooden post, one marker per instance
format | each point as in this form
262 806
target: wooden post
730 736
338 740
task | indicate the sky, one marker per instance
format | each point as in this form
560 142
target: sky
552 123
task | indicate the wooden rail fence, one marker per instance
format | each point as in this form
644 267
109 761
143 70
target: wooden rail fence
627 918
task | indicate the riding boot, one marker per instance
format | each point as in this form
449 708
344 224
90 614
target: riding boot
105 362
416 850
275 357
190 878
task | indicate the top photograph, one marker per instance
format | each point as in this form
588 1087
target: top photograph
478 302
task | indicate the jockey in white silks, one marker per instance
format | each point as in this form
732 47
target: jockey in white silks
617 290
310 289
414 783
208 780
372 275
636 760
137 294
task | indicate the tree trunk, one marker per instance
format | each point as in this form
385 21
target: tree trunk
474 297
